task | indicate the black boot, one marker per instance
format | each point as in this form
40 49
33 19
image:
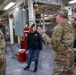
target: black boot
26 68
35 69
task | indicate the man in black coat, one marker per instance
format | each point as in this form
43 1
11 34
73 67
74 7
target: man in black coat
2 27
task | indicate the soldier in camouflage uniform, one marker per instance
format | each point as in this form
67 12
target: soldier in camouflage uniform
2 54
62 44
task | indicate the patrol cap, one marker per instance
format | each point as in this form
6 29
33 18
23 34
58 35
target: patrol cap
63 13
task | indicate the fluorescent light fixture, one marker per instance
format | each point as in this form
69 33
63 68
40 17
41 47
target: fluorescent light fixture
9 5
73 1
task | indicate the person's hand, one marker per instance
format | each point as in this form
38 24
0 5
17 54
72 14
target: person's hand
27 51
41 31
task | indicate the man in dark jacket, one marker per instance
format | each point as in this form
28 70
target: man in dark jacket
2 27
73 22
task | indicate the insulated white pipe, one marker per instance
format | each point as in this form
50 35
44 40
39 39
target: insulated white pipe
18 39
31 12
11 30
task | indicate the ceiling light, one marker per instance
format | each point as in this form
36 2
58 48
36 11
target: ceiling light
9 5
73 1
36 9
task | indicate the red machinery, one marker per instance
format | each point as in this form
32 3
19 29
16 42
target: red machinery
24 41
26 31
23 55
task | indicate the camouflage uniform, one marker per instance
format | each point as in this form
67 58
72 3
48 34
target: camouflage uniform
62 45
2 54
